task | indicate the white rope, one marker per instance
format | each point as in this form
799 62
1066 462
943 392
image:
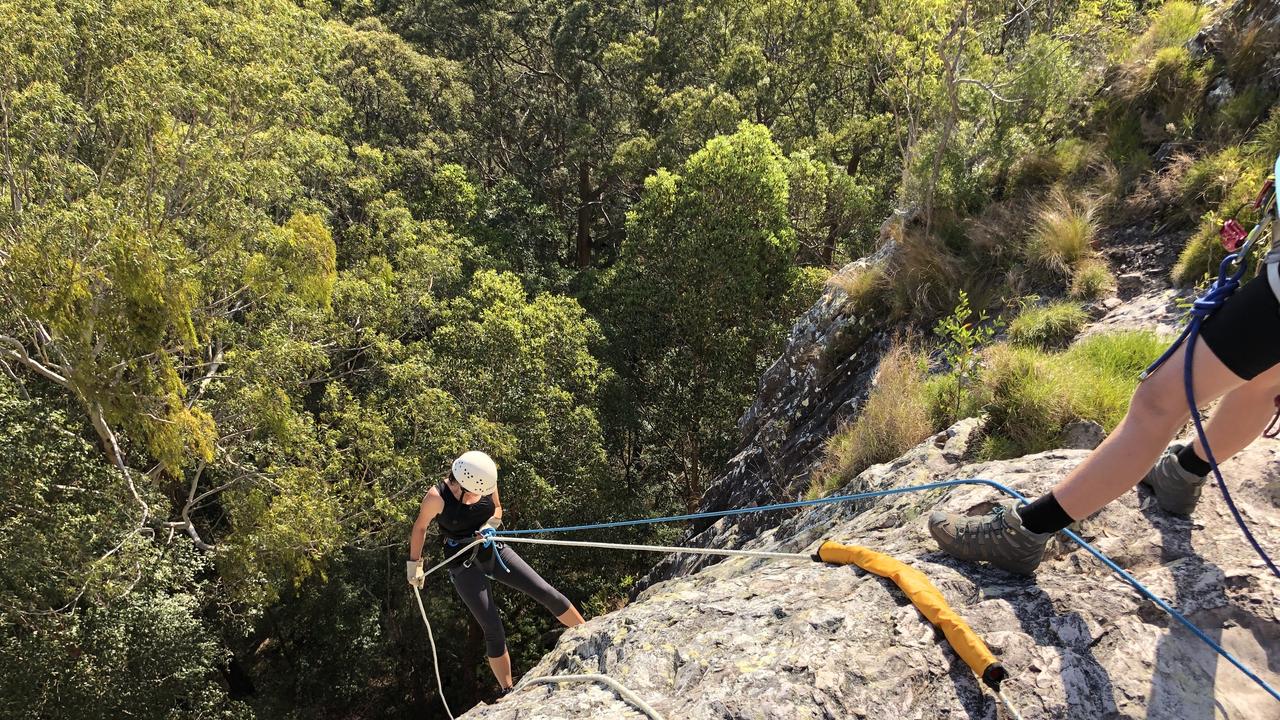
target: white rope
435 661
616 686
1004 699
659 548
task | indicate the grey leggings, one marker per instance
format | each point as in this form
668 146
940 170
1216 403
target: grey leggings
472 583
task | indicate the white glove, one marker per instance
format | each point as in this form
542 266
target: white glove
494 522
416 576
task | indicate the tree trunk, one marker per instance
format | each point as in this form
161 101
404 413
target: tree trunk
472 651
586 208
829 246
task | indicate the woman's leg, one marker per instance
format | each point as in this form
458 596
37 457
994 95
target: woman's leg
1014 538
476 593
570 617
523 578
1241 416
1245 337
1156 413
501 667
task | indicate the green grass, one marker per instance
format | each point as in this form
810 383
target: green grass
895 418
1202 254
1068 160
863 286
1224 183
1265 142
1242 112
1174 83
1210 179
1173 25
1052 325
1031 395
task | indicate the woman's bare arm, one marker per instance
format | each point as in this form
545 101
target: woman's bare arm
497 506
432 505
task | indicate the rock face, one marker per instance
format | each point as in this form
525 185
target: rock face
1240 27
750 638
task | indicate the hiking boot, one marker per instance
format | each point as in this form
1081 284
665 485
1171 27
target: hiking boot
997 538
1177 490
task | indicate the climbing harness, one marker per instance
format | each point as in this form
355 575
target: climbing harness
515 536
1204 306
486 541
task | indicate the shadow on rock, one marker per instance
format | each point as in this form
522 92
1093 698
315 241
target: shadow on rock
1186 683
1090 692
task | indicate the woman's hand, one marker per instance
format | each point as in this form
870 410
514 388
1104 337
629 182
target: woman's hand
414 570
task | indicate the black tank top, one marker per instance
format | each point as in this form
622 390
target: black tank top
459 521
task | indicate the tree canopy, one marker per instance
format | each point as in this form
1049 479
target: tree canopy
267 267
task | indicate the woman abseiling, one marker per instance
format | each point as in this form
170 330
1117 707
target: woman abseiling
466 504
1237 359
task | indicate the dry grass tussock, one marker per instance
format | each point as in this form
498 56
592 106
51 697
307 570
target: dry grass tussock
1157 191
862 285
1063 231
894 419
1092 280
924 275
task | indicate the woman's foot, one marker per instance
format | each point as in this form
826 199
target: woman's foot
1177 489
997 538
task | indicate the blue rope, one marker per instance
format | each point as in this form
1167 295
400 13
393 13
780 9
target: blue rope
1201 309
1132 581
488 534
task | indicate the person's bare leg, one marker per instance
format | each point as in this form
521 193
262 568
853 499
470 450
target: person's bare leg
1241 416
1156 413
570 617
501 667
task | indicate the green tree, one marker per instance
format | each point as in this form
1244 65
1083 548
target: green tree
695 300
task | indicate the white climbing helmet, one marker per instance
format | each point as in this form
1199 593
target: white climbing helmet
476 472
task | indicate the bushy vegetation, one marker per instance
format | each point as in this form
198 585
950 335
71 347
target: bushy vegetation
1221 186
1029 395
1048 326
1092 279
1062 234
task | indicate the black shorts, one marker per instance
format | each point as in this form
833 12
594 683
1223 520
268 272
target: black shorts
1245 332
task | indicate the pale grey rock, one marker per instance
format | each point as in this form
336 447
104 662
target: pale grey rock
1155 310
1083 435
1221 93
750 638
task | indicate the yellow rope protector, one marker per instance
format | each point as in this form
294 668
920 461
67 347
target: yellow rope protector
927 599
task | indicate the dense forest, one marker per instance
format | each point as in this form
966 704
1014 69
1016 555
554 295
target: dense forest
267 267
